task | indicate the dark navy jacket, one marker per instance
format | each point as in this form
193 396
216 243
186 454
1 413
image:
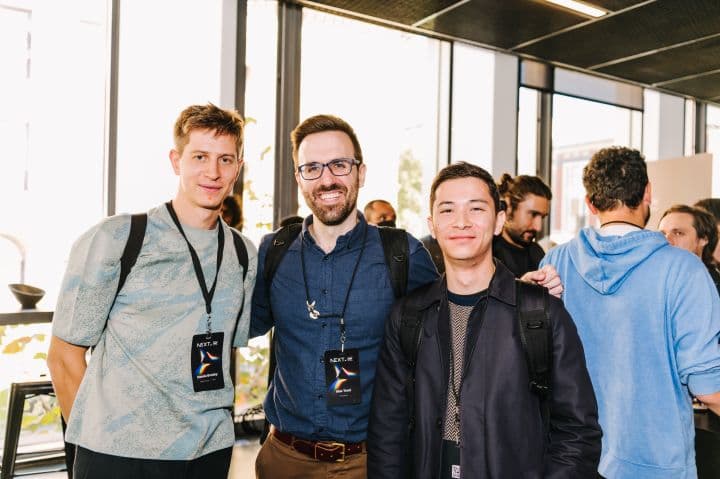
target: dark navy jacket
296 401
502 433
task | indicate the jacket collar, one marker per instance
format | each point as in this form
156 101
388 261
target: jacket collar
502 288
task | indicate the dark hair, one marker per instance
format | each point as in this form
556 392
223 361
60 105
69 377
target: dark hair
516 189
318 124
232 209
614 177
704 225
208 117
711 205
466 170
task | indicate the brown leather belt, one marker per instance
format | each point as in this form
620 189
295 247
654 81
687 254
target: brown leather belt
325 451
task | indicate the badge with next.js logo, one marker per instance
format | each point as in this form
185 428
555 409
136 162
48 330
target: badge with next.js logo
206 362
342 377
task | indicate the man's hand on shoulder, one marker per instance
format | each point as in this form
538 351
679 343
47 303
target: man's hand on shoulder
548 277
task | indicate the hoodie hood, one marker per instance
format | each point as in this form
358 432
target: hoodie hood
605 261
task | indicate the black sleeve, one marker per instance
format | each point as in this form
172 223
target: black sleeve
388 424
261 319
574 449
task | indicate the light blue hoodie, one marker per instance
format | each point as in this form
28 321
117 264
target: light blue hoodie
648 316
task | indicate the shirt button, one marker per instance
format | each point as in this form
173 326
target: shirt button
324 324
320 396
321 359
326 257
324 291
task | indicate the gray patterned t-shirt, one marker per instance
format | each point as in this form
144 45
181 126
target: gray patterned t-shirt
137 398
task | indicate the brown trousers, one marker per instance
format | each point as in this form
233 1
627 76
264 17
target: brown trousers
277 460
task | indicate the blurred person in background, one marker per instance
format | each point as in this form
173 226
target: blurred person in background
528 202
712 205
380 213
692 229
232 212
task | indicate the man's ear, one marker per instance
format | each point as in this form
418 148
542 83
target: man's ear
431 227
647 194
362 170
499 222
590 206
174 156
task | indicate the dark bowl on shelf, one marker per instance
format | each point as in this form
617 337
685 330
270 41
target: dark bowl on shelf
27 295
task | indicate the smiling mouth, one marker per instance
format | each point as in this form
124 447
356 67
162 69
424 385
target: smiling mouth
329 196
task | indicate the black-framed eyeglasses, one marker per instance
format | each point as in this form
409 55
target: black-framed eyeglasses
338 167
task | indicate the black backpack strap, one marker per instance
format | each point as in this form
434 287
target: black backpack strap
397 256
241 251
281 241
536 337
410 336
411 325
138 223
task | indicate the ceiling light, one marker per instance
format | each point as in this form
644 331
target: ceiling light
580 7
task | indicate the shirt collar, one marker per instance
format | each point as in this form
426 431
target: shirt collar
348 240
617 229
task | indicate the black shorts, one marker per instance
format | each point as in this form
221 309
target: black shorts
94 465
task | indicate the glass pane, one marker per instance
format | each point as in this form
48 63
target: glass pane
389 86
52 117
689 147
528 121
162 70
713 145
260 86
52 113
472 112
260 82
574 142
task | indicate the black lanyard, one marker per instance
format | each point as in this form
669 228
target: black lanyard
314 313
207 295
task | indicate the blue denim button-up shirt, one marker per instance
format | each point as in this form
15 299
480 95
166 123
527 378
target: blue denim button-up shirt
296 402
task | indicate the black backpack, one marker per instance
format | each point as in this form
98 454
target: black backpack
535 335
397 252
130 254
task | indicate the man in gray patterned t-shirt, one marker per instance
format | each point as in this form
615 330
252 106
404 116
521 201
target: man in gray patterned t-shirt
155 398
474 412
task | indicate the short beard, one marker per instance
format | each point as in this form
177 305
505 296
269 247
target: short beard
333 216
518 238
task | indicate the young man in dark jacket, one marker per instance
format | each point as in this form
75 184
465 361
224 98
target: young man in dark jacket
475 415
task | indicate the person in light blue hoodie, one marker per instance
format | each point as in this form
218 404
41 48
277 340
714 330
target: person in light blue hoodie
649 318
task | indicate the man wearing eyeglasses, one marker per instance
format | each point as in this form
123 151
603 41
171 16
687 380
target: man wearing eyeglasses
328 301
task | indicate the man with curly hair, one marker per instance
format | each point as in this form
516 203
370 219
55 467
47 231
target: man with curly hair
649 318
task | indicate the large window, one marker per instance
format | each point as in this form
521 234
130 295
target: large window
574 142
391 87
260 86
261 65
713 145
528 121
172 55
473 88
52 116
